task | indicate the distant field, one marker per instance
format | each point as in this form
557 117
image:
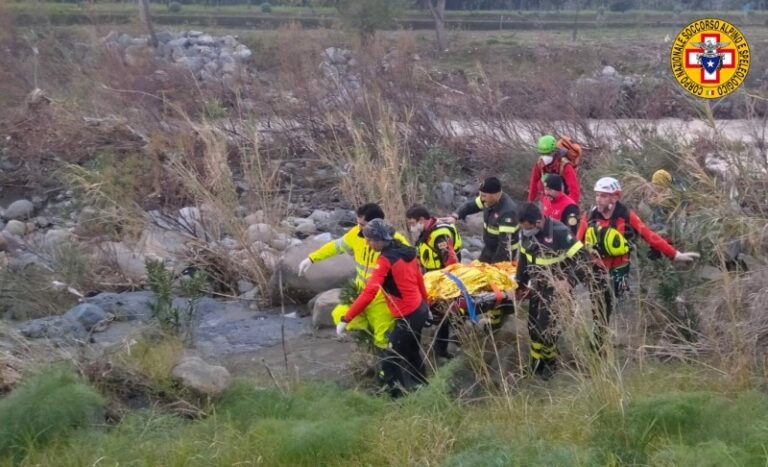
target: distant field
244 16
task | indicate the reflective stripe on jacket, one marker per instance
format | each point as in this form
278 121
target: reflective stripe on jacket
353 243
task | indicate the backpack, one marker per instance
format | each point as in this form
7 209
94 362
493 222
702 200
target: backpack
570 150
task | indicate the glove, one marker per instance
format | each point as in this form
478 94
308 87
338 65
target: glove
304 265
687 257
341 329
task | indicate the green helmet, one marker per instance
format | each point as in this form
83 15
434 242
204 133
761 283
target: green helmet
547 144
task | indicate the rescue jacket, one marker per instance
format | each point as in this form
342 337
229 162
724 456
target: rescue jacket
438 245
499 228
553 248
353 243
398 275
561 166
562 209
611 237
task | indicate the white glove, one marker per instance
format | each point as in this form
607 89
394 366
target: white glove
304 265
341 329
687 257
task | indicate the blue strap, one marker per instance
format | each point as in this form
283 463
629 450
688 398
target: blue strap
470 303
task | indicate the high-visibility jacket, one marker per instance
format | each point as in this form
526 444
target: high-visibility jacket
554 246
398 275
438 245
611 237
353 243
499 228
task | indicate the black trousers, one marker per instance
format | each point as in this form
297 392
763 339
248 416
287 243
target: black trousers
404 363
606 288
542 328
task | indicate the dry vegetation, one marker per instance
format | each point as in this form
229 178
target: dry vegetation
129 141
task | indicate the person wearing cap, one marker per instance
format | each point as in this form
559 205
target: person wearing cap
397 274
550 257
557 205
552 160
499 221
376 319
608 228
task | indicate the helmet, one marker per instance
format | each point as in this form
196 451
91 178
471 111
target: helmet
662 178
547 144
608 185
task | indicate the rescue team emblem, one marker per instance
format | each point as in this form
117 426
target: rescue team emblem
710 58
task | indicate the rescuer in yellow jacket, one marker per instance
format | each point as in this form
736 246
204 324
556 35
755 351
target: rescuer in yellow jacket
376 319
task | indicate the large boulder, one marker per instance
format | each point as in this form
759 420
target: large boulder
321 276
260 233
53 327
15 227
127 306
129 262
444 193
19 209
474 224
202 378
322 306
87 314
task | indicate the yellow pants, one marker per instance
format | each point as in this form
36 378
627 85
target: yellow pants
376 320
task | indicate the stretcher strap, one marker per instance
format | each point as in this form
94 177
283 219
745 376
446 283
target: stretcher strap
499 294
467 297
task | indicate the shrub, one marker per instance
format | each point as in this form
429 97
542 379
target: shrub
621 5
266 7
49 406
170 317
174 7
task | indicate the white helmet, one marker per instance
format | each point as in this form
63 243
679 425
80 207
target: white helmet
608 185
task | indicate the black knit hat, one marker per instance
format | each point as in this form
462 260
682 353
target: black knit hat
491 185
378 229
554 182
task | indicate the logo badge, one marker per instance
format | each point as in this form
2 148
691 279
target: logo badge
710 58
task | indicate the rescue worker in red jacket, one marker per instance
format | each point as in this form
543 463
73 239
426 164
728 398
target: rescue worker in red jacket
398 275
552 160
608 228
557 205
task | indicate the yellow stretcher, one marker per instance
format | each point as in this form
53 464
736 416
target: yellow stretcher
476 278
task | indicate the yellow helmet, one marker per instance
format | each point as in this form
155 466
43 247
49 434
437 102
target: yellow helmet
661 178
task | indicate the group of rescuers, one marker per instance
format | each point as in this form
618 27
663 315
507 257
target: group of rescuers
555 246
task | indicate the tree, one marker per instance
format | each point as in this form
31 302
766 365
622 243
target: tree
147 21
437 8
368 16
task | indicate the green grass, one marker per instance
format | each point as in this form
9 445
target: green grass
48 407
673 415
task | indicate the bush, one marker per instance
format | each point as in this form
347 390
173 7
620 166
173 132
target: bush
622 5
174 7
49 406
368 16
266 7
